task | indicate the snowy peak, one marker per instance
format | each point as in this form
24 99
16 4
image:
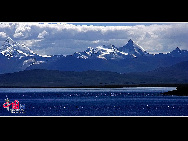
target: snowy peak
10 48
177 49
133 49
21 55
130 50
130 41
178 52
9 41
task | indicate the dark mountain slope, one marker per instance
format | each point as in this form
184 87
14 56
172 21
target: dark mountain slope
176 74
52 78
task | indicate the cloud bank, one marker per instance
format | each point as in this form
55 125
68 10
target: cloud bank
63 38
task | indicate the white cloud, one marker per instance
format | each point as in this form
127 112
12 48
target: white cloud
18 35
65 38
43 34
3 35
96 41
30 43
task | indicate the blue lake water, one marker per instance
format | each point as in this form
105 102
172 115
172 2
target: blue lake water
134 101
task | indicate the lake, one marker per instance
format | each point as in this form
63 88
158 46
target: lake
133 101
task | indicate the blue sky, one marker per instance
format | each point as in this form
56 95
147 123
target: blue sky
67 38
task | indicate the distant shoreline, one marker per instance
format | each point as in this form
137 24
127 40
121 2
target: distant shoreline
103 86
182 90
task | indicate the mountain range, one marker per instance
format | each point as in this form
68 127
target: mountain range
130 60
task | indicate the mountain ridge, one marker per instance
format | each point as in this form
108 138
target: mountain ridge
128 58
130 50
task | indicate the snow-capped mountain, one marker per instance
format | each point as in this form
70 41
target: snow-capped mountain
130 50
103 52
131 57
11 48
17 57
133 49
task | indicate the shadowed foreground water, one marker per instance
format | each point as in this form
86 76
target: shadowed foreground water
141 101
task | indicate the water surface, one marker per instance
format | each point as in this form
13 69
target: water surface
133 101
